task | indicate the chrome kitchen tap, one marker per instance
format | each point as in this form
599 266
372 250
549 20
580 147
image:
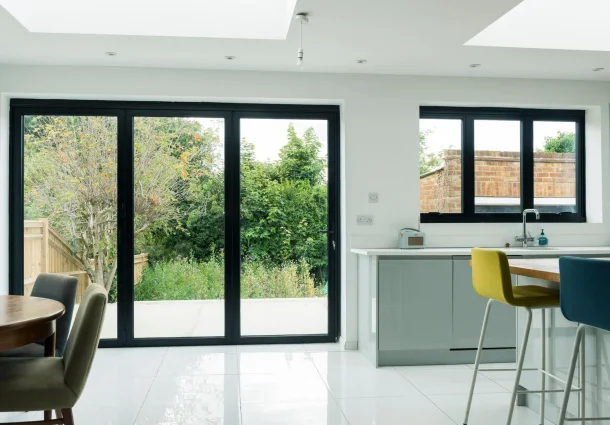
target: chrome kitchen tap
524 239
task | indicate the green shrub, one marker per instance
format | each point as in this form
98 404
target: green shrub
187 279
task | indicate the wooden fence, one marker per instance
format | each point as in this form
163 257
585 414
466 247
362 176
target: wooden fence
44 251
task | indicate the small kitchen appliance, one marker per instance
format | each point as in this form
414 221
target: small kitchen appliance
409 238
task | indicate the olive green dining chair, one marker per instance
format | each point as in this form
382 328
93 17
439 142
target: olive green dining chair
56 287
56 383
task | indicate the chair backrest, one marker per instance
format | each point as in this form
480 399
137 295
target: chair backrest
584 290
491 275
84 338
60 288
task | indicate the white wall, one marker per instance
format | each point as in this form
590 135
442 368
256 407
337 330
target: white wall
379 140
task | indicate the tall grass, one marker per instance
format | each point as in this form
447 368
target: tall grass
187 279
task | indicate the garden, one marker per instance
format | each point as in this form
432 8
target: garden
70 177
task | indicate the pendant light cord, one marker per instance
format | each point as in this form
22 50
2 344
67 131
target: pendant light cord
301 34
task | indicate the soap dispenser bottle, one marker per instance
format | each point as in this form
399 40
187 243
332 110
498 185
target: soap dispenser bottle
542 239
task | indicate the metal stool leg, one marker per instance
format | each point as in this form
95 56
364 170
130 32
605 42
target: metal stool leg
477 360
526 335
581 377
566 394
543 366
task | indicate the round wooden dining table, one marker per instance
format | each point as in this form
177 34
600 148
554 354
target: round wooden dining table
25 319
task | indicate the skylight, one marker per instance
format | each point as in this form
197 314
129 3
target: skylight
252 19
551 24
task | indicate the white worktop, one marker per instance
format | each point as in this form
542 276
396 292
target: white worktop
530 252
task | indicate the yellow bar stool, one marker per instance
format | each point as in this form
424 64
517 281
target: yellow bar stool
491 279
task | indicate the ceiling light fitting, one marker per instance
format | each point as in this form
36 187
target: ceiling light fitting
361 61
303 19
474 65
230 58
597 69
111 53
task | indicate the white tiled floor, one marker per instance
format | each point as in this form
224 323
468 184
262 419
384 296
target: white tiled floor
318 384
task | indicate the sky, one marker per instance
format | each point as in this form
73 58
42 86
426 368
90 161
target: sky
269 135
488 135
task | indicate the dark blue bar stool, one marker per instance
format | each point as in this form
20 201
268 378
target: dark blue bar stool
584 295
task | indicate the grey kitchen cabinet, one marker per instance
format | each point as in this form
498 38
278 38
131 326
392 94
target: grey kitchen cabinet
415 304
469 309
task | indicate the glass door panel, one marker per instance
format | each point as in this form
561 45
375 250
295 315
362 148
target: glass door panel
70 203
179 237
283 227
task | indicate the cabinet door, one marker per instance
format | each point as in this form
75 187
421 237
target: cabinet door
468 312
414 304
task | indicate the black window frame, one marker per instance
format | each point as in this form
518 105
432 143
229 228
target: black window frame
527 117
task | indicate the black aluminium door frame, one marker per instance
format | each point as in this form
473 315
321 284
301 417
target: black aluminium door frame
125 111
127 291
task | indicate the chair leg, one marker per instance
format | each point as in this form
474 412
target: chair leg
566 394
48 415
67 416
543 366
526 336
477 360
58 414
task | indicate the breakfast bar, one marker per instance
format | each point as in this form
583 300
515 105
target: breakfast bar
560 335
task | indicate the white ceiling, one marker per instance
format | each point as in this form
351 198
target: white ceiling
413 37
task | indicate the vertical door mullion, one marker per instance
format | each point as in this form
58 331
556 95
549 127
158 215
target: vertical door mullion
232 229
125 229
15 269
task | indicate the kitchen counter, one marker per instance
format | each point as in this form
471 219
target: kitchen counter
417 306
529 252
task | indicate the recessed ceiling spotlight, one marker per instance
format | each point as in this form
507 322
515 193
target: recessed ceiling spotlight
111 53
361 61
230 58
597 69
474 65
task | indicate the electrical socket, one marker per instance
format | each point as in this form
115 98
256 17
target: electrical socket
364 220
373 197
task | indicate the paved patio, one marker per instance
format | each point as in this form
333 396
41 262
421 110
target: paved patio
272 316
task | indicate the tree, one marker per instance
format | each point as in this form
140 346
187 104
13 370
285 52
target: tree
427 160
71 177
284 204
562 143
299 158
197 227
283 207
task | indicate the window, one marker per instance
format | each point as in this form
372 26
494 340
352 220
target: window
497 166
440 165
555 166
488 164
